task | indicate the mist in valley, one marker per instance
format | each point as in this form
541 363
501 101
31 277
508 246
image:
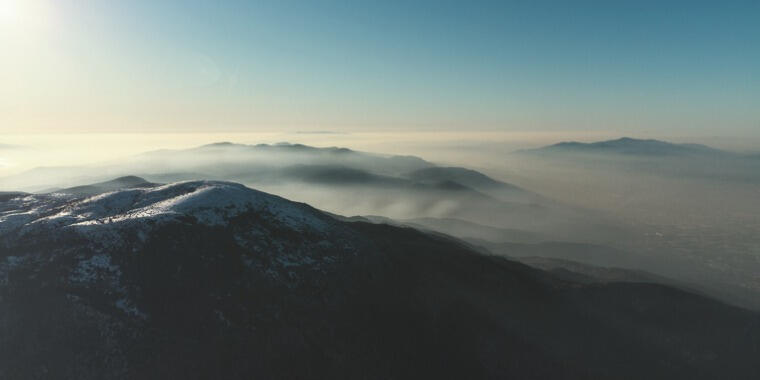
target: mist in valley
688 216
379 190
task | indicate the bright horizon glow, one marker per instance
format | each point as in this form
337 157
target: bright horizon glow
657 69
20 18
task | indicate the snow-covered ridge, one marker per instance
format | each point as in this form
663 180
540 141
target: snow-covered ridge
208 202
86 236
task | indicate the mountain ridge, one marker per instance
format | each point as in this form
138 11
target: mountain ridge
184 280
629 146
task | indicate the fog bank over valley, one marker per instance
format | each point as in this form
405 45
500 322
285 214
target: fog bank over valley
682 211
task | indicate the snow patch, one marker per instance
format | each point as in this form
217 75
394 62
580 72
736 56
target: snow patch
208 202
129 308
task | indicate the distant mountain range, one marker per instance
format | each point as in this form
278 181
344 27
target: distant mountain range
339 179
120 183
272 163
211 279
631 146
413 192
653 157
463 176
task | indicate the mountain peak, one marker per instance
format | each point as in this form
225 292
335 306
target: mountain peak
628 146
124 182
463 176
279 145
128 180
278 279
222 144
210 203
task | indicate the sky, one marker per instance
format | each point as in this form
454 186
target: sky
634 68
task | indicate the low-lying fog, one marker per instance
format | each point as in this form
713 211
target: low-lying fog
649 194
690 216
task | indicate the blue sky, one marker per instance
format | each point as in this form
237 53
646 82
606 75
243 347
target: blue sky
678 67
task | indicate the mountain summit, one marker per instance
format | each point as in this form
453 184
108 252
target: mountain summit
629 146
209 279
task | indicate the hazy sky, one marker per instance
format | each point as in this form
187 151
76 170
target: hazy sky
638 67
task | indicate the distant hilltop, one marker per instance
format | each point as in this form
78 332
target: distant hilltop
628 145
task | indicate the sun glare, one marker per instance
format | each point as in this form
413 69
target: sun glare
25 16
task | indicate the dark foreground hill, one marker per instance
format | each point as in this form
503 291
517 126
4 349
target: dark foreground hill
200 280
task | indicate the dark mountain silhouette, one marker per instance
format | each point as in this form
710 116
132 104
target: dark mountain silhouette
464 176
211 279
125 182
339 175
477 181
176 176
652 157
630 146
574 251
284 146
299 154
585 273
8 195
